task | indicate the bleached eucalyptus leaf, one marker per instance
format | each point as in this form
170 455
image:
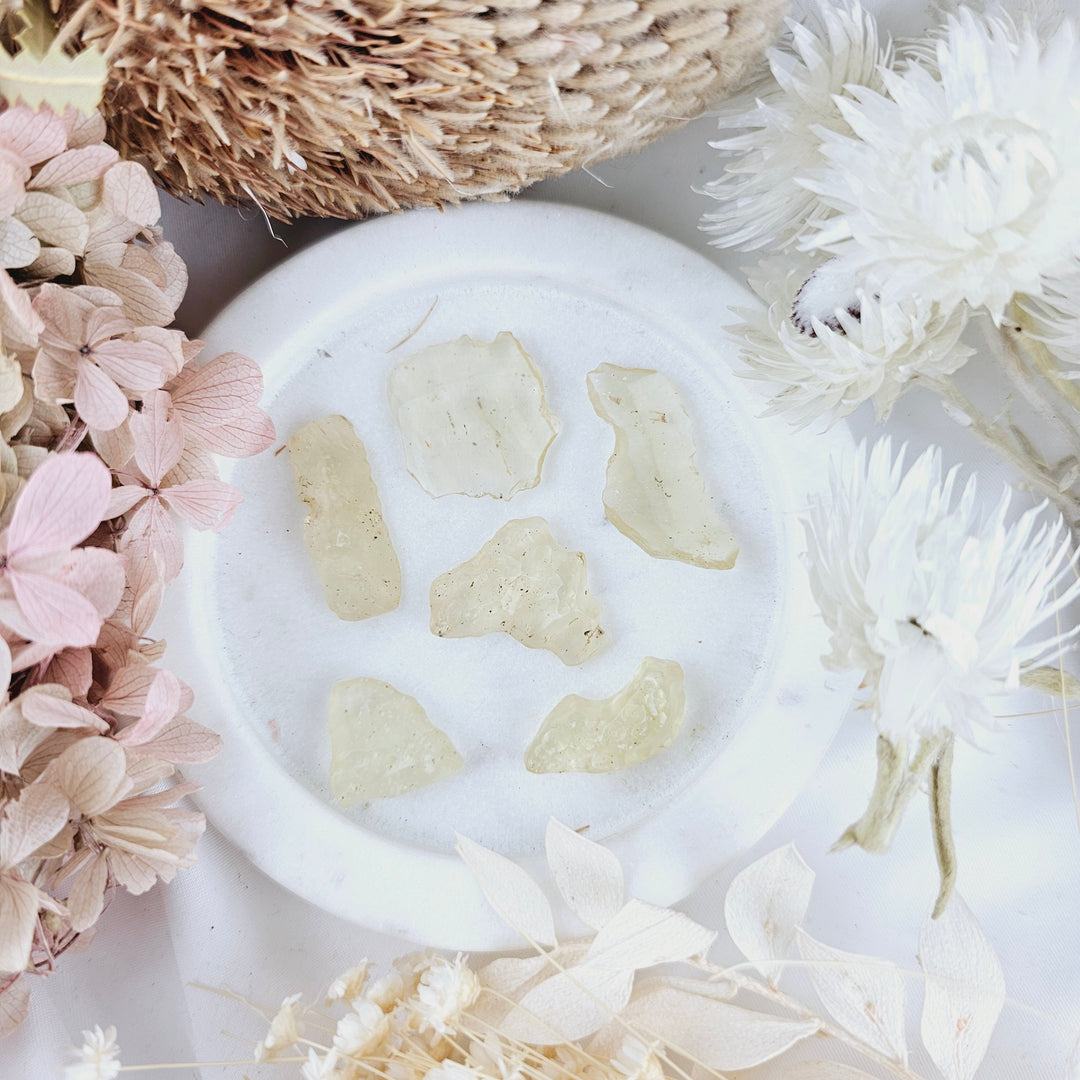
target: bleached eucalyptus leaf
965 990
764 905
515 976
864 995
586 873
569 1006
608 1040
716 1033
642 936
510 891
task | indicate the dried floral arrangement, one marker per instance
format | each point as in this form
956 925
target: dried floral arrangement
874 273
903 193
345 109
637 998
108 427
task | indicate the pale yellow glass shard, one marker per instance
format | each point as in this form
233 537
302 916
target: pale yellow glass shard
582 735
654 494
344 529
383 744
473 417
524 583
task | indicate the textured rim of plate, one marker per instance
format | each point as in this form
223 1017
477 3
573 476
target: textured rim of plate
305 844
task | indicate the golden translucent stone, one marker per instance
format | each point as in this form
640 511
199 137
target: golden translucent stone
583 735
524 583
473 417
654 494
383 743
344 529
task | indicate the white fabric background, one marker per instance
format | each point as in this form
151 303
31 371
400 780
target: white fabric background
227 925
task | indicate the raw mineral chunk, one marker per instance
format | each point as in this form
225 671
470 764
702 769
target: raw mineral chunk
473 417
344 530
523 582
383 743
654 494
581 735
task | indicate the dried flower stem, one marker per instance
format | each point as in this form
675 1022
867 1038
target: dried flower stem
1003 440
941 819
793 1005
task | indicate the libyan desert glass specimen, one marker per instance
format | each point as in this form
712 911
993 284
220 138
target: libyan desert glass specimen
524 583
383 744
473 417
344 529
581 735
654 494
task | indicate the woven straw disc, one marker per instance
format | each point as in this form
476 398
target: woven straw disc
343 109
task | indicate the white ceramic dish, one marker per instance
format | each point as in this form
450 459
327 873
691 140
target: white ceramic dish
248 628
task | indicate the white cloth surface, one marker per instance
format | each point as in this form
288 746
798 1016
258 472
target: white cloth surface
226 925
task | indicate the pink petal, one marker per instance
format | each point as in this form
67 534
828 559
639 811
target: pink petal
138 365
35 135
172 341
75 167
181 741
219 391
126 695
5 663
64 313
176 274
122 499
42 710
86 898
92 773
18 918
204 504
98 574
73 669
158 435
151 531
54 380
241 438
146 585
162 705
195 464
104 322
60 506
39 814
20 323
115 447
98 400
55 613
128 192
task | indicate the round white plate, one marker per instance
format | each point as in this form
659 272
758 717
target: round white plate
247 625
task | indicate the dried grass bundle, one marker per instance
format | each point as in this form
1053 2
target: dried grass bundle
348 108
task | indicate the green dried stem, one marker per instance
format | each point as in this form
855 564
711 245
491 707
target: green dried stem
896 783
941 821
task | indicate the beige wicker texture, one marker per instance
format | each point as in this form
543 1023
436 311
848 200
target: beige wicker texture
344 109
